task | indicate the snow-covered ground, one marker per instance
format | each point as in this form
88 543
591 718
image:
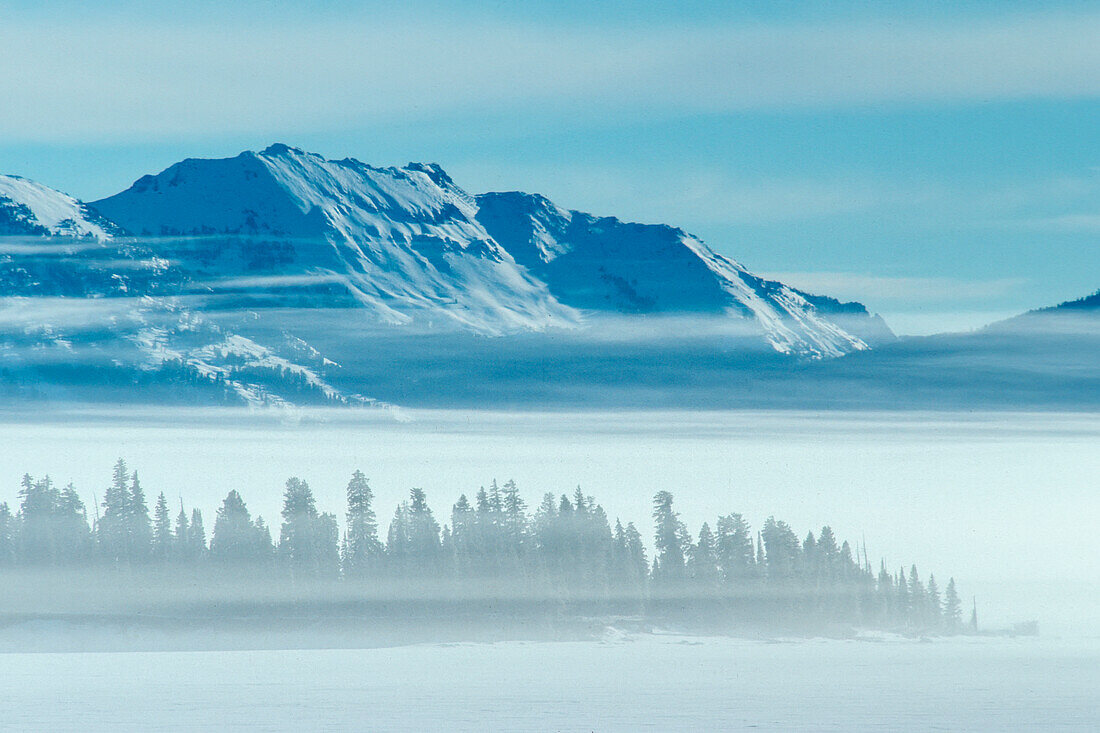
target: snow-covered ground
624 683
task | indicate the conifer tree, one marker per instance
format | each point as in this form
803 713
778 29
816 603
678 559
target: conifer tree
886 596
363 551
952 608
139 525
736 558
635 549
703 561
668 541
7 536
781 551
901 604
398 543
828 554
514 511
918 598
264 547
934 604
196 534
75 534
181 538
461 536
299 543
113 528
162 530
810 566
235 538
423 534
327 548
38 539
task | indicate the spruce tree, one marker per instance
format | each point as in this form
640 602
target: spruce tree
75 536
363 551
514 511
668 541
38 540
235 539
635 548
297 540
952 608
181 538
901 604
918 598
139 525
887 600
162 530
736 558
7 536
461 536
934 604
423 534
196 535
703 561
265 550
781 551
398 545
113 529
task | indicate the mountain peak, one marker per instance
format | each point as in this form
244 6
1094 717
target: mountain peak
275 149
28 207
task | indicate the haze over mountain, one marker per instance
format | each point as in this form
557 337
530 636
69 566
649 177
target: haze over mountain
282 277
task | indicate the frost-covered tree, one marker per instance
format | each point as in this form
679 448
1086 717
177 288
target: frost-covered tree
235 538
196 535
703 560
668 541
7 536
934 604
52 525
139 525
363 552
424 546
162 530
514 509
952 607
181 537
781 551
918 598
113 528
736 559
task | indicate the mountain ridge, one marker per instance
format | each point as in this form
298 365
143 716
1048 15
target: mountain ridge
280 275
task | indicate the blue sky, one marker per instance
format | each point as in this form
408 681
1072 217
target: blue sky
939 162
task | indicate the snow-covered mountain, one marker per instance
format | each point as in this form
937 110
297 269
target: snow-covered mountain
278 274
27 207
408 244
604 264
402 243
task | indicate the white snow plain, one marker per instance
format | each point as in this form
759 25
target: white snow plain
624 683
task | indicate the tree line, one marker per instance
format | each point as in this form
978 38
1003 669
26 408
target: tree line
564 556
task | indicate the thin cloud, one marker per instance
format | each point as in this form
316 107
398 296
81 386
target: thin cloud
864 287
79 79
1076 223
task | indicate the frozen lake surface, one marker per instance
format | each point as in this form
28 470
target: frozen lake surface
622 683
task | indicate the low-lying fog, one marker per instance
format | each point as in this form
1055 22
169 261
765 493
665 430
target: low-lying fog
1005 503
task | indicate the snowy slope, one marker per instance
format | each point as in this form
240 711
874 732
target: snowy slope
401 242
410 246
604 264
27 207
